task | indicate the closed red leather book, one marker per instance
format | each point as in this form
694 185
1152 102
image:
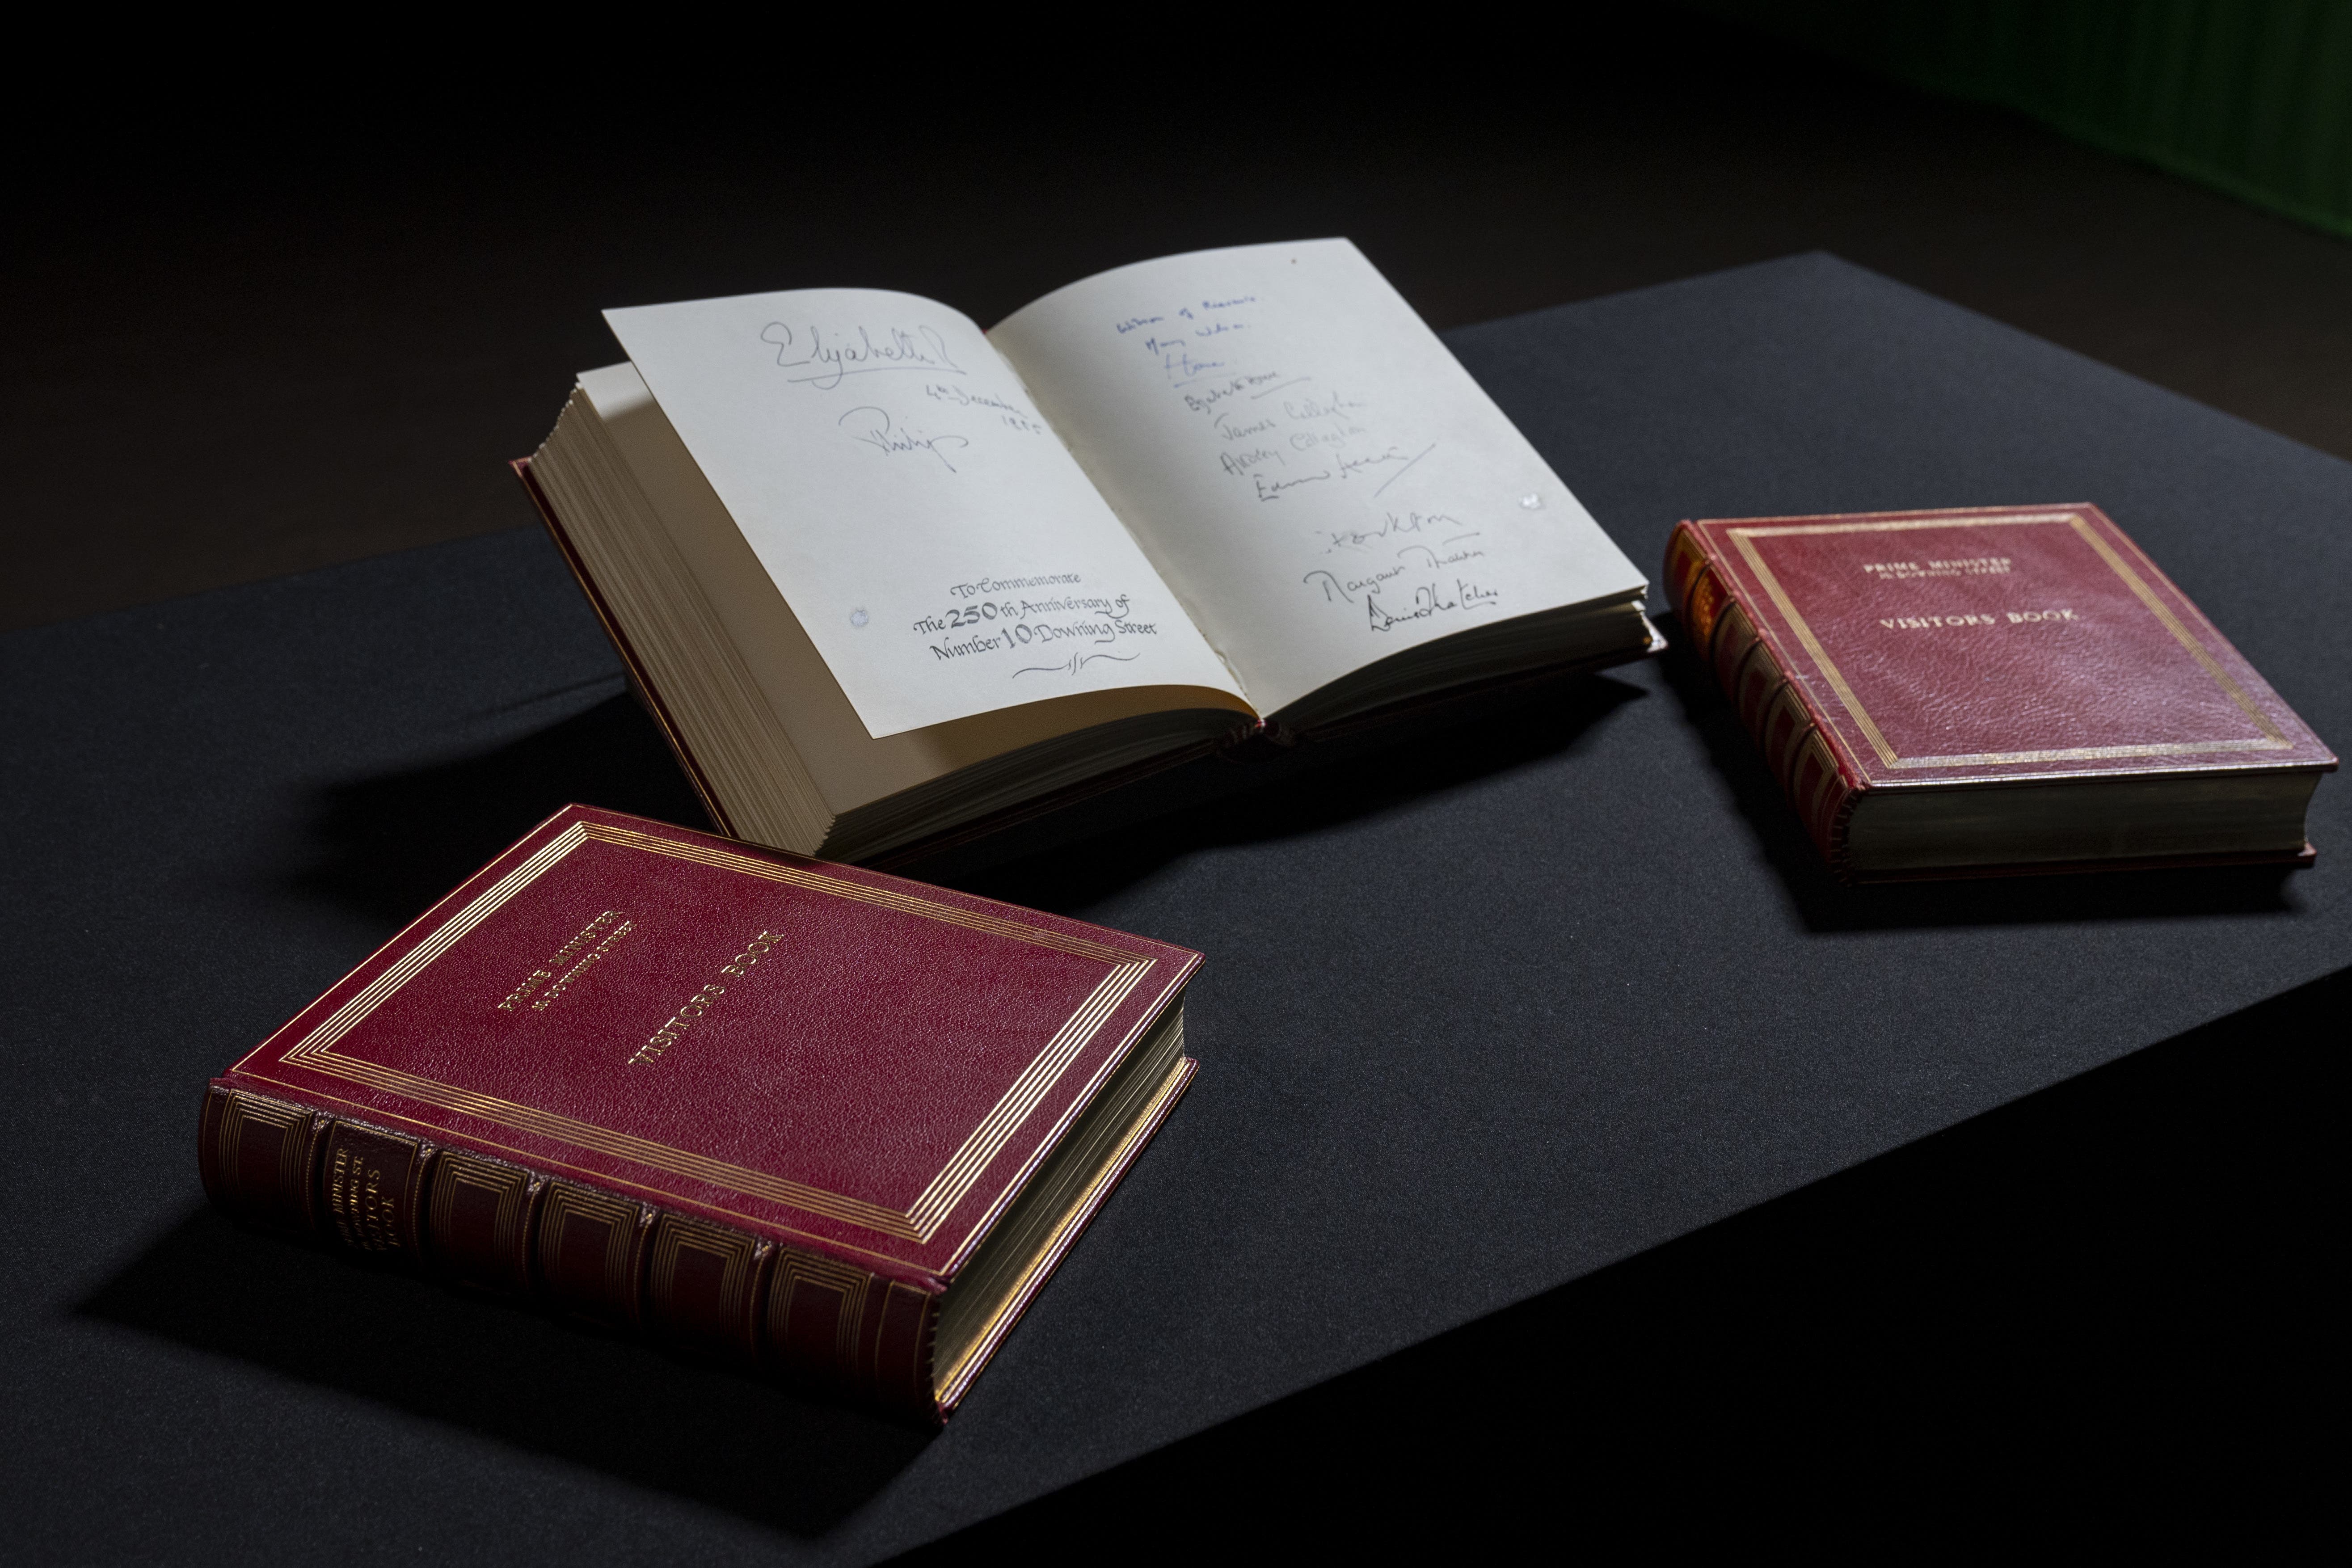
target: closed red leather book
762 1105
1996 689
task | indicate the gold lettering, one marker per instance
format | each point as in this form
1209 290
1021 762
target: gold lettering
366 1217
569 962
1964 566
1934 623
694 1007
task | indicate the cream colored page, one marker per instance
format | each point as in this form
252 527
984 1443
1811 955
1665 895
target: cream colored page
944 551
851 769
1307 466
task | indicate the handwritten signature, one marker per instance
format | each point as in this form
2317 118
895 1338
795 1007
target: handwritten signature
1272 489
1351 467
876 430
1309 406
1236 386
1183 370
1243 462
1432 560
1429 600
826 362
1336 588
1410 523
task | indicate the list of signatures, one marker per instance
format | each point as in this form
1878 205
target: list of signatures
1298 444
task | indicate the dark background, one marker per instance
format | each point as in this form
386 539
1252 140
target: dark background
265 320
259 327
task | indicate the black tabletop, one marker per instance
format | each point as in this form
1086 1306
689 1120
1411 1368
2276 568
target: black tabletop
1481 1015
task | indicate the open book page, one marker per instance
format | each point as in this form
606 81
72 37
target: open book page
1307 466
849 767
944 551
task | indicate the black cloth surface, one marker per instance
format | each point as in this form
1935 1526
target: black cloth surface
1480 1016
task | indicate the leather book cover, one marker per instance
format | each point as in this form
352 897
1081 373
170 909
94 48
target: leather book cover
656 1072
1909 649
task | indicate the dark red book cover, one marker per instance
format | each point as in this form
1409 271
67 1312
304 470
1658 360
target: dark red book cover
1920 648
665 1028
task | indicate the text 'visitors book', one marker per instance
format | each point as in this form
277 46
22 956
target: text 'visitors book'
888 581
2015 688
815 1119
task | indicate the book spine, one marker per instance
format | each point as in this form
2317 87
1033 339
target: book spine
1769 703
682 1280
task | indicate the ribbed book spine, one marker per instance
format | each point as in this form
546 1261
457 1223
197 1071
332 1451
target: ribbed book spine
576 1249
1771 706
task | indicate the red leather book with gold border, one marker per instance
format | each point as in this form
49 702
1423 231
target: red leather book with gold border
1977 660
758 1103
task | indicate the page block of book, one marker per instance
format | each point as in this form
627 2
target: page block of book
935 539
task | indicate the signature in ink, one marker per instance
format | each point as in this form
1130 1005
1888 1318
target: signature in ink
1176 359
1310 406
1203 402
1427 601
1271 490
1432 560
1335 588
875 428
1410 523
1336 436
1351 467
826 362
1183 370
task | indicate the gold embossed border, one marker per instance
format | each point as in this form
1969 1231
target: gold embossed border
2273 739
315 1051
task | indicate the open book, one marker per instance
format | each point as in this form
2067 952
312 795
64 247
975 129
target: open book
884 577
